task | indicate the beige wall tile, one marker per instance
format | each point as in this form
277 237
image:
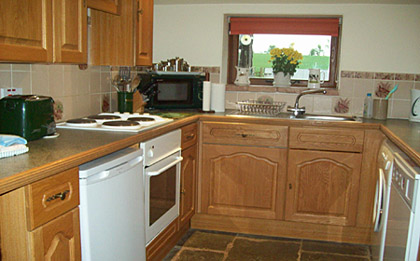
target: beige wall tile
56 81
230 100
403 91
417 85
95 104
81 105
40 67
114 102
67 107
21 67
95 82
242 96
5 79
215 77
5 67
83 82
40 82
308 102
289 99
346 87
105 82
322 104
400 109
21 79
70 83
356 106
362 87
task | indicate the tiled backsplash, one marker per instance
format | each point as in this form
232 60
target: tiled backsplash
353 87
76 92
80 92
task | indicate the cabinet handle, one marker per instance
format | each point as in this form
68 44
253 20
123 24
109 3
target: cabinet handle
61 195
84 3
290 185
140 11
183 192
191 136
244 135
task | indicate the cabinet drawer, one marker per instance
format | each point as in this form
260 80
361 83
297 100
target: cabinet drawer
51 197
326 139
188 135
245 134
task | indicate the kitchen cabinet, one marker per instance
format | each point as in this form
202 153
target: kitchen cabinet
41 221
322 187
188 173
109 6
323 175
240 174
144 32
112 36
43 31
70 31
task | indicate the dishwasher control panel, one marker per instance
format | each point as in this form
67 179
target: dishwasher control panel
405 179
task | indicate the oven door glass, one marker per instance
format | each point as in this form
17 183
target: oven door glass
162 194
174 91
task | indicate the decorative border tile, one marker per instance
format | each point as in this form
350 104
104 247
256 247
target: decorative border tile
347 74
417 78
404 77
384 76
382 89
342 105
364 75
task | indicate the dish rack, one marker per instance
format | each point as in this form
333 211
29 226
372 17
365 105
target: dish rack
260 107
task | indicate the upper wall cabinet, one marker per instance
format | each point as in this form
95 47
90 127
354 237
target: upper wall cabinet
26 30
109 6
43 31
144 30
112 36
70 31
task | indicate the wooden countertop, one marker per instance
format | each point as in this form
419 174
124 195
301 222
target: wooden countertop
72 148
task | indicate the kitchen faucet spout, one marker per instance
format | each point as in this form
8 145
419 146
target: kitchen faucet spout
297 110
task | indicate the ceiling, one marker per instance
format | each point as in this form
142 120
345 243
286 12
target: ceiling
167 2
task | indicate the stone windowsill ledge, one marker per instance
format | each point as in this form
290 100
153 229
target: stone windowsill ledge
272 89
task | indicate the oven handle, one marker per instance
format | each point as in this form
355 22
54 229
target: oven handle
157 172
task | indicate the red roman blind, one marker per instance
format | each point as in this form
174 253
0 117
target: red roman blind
278 25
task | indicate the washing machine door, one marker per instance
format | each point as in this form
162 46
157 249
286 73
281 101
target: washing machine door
379 201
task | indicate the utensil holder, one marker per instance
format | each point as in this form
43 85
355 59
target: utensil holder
125 102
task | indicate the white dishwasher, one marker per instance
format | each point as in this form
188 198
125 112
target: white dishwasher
112 207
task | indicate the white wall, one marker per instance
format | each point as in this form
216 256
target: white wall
375 38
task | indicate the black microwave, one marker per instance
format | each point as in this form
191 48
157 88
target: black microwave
173 90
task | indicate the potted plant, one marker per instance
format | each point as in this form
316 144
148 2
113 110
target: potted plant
285 62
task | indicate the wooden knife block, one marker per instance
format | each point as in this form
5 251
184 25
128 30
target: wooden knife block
138 103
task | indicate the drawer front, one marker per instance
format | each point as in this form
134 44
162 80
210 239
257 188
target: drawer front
53 196
326 139
188 135
245 134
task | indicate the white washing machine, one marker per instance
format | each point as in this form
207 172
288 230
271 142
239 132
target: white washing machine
381 205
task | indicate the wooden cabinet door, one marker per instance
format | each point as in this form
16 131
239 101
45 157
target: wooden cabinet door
70 31
144 31
322 187
188 177
109 6
26 30
111 37
58 239
243 181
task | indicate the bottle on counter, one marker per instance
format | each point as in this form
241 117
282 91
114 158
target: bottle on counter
368 106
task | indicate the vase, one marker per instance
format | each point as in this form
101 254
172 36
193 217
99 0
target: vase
280 80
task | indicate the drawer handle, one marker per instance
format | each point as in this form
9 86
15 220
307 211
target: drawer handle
183 191
61 195
244 135
191 136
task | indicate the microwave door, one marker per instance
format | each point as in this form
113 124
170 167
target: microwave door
174 92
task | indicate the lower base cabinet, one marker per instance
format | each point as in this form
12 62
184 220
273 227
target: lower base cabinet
188 184
243 181
322 187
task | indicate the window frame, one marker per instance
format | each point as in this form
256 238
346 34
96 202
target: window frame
233 46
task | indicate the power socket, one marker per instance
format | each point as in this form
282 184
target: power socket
9 91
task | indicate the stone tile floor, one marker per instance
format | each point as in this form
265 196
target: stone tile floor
212 245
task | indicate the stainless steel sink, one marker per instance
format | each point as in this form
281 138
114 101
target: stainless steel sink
323 118
309 117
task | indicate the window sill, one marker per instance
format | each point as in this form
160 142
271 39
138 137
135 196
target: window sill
272 89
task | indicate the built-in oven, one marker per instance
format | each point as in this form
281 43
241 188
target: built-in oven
162 168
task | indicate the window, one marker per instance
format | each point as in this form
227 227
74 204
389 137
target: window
252 38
